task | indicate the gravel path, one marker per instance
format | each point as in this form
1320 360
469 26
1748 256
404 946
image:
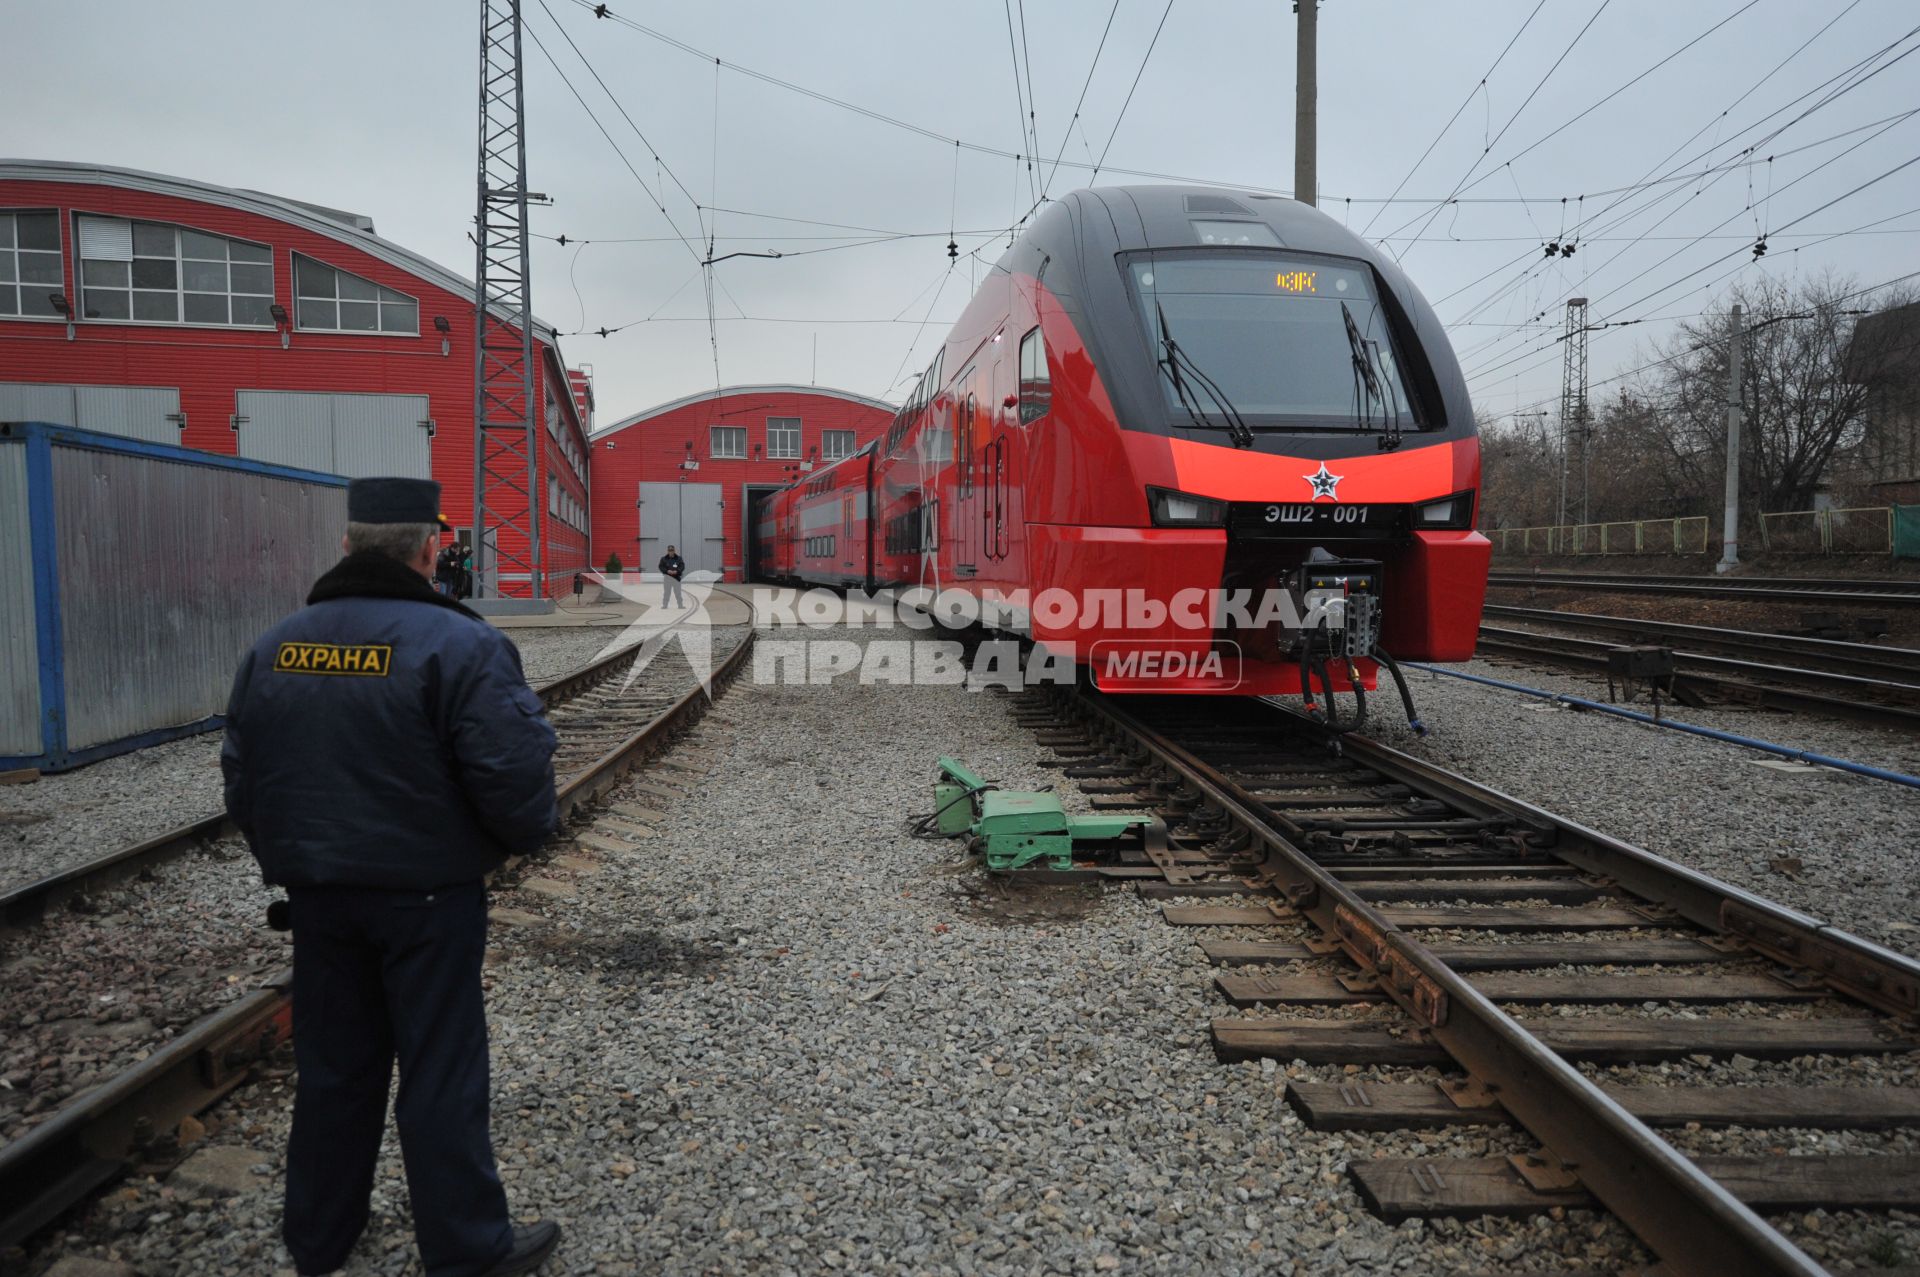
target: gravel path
1710 806
76 816
784 1037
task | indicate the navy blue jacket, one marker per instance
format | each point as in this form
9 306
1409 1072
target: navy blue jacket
384 736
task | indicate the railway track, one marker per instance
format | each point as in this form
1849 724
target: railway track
129 1119
1887 691
1524 955
1870 592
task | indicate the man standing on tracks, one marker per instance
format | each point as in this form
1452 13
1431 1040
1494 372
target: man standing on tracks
672 568
383 753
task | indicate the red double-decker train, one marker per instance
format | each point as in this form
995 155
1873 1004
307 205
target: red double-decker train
1161 392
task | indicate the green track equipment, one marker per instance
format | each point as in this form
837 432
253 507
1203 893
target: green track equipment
1017 829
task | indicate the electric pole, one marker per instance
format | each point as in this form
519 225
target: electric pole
506 503
1730 533
1573 401
1306 104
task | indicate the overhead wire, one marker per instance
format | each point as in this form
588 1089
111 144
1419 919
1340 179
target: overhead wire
1853 76
1465 102
1487 370
591 115
1081 101
1518 111
1145 58
1019 100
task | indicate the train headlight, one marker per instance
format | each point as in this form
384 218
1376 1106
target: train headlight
1455 511
1173 509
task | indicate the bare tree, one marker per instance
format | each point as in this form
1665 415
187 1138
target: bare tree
1806 390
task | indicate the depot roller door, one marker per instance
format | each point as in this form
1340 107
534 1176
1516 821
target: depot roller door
355 435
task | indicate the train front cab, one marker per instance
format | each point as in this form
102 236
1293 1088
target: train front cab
1431 580
1226 462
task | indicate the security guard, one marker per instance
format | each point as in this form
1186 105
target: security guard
383 752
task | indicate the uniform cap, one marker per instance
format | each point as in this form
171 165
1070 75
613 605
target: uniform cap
394 501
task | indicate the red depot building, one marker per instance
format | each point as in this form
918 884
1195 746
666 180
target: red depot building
685 472
179 312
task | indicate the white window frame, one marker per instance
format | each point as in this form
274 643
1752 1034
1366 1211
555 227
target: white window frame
713 443
60 254
180 289
293 268
784 425
827 453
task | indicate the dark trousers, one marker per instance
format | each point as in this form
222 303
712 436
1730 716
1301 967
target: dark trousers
379 974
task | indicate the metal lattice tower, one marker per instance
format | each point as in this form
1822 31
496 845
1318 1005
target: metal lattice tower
506 513
1574 424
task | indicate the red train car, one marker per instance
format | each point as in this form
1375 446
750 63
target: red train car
826 524
1168 409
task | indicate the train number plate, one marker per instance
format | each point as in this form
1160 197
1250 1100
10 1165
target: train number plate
1315 518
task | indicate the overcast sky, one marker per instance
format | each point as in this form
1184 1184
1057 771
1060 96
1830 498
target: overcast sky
370 106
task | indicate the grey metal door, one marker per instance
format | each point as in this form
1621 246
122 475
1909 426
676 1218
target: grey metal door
382 435
355 435
151 413
684 515
285 429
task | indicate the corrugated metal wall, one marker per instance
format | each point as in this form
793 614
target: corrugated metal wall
167 572
19 649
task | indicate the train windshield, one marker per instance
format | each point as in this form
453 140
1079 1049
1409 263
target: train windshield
1251 341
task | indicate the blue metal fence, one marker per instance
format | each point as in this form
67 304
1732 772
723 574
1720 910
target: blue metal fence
136 579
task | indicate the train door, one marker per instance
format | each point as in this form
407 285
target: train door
966 499
994 468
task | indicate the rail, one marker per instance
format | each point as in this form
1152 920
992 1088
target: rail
1840 591
93 1140
1701 677
1592 1140
28 903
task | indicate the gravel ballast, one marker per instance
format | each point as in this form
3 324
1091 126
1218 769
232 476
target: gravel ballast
1710 806
783 1036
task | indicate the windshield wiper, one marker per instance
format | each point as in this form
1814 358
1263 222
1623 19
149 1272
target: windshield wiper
1175 362
1369 386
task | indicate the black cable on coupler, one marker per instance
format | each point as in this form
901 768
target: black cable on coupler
1406 696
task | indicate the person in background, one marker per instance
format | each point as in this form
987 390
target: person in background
464 573
444 571
383 753
672 568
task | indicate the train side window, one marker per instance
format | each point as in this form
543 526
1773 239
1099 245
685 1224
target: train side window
1036 384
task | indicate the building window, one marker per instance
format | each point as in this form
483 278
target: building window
783 437
150 273
30 264
1036 385
330 300
835 444
729 443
